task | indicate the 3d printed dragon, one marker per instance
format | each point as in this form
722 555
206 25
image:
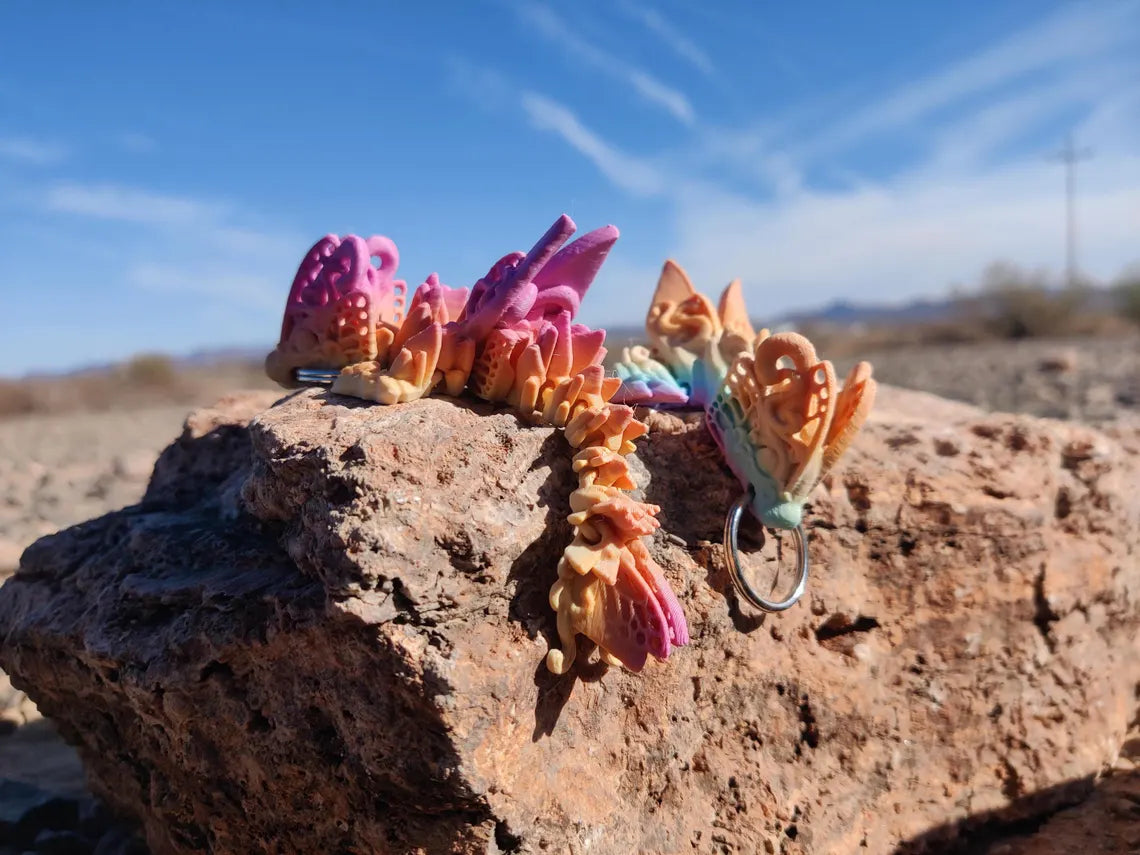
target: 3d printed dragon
511 339
774 408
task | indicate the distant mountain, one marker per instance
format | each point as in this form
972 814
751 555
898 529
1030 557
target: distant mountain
223 354
844 312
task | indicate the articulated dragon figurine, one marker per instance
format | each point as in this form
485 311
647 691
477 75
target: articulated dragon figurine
774 409
772 406
511 340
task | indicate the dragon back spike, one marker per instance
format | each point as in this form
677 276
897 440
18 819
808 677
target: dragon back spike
733 313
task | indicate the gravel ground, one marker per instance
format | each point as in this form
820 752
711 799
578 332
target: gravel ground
1087 380
56 471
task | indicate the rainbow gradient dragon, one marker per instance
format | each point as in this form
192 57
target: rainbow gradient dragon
511 339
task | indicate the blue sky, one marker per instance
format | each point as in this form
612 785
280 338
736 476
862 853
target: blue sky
164 167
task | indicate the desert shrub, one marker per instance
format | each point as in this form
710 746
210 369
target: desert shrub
1014 303
17 398
151 369
1126 295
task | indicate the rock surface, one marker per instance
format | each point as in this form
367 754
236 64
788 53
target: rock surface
326 633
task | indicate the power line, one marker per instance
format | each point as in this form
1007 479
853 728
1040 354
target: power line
1070 155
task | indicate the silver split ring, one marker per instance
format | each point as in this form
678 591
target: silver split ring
316 376
731 527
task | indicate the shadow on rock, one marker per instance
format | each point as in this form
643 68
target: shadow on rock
1086 815
44 805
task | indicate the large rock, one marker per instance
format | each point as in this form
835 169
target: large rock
325 633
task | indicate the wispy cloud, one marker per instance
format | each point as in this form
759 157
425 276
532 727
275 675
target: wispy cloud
912 236
494 92
136 143
1077 32
977 190
127 204
484 87
250 289
548 24
193 246
995 128
33 151
670 36
628 173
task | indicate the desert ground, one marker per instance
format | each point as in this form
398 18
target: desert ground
60 468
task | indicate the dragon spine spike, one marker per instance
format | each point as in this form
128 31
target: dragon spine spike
546 248
563 281
851 410
506 295
733 313
673 285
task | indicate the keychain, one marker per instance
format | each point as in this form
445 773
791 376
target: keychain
774 409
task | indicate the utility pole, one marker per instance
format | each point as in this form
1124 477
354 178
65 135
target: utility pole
1070 155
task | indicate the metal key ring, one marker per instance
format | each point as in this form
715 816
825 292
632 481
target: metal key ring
731 527
316 376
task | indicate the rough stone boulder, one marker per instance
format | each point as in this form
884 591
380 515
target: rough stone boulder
324 632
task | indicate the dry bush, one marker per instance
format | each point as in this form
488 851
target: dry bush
151 369
17 398
147 380
1014 303
1126 295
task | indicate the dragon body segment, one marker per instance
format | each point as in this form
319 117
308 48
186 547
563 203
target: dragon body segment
774 408
510 340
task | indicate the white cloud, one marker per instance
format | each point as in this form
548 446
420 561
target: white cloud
32 151
651 90
670 36
656 92
206 278
127 204
628 173
484 87
976 137
192 247
976 186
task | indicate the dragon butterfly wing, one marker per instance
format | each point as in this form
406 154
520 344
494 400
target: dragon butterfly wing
851 410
